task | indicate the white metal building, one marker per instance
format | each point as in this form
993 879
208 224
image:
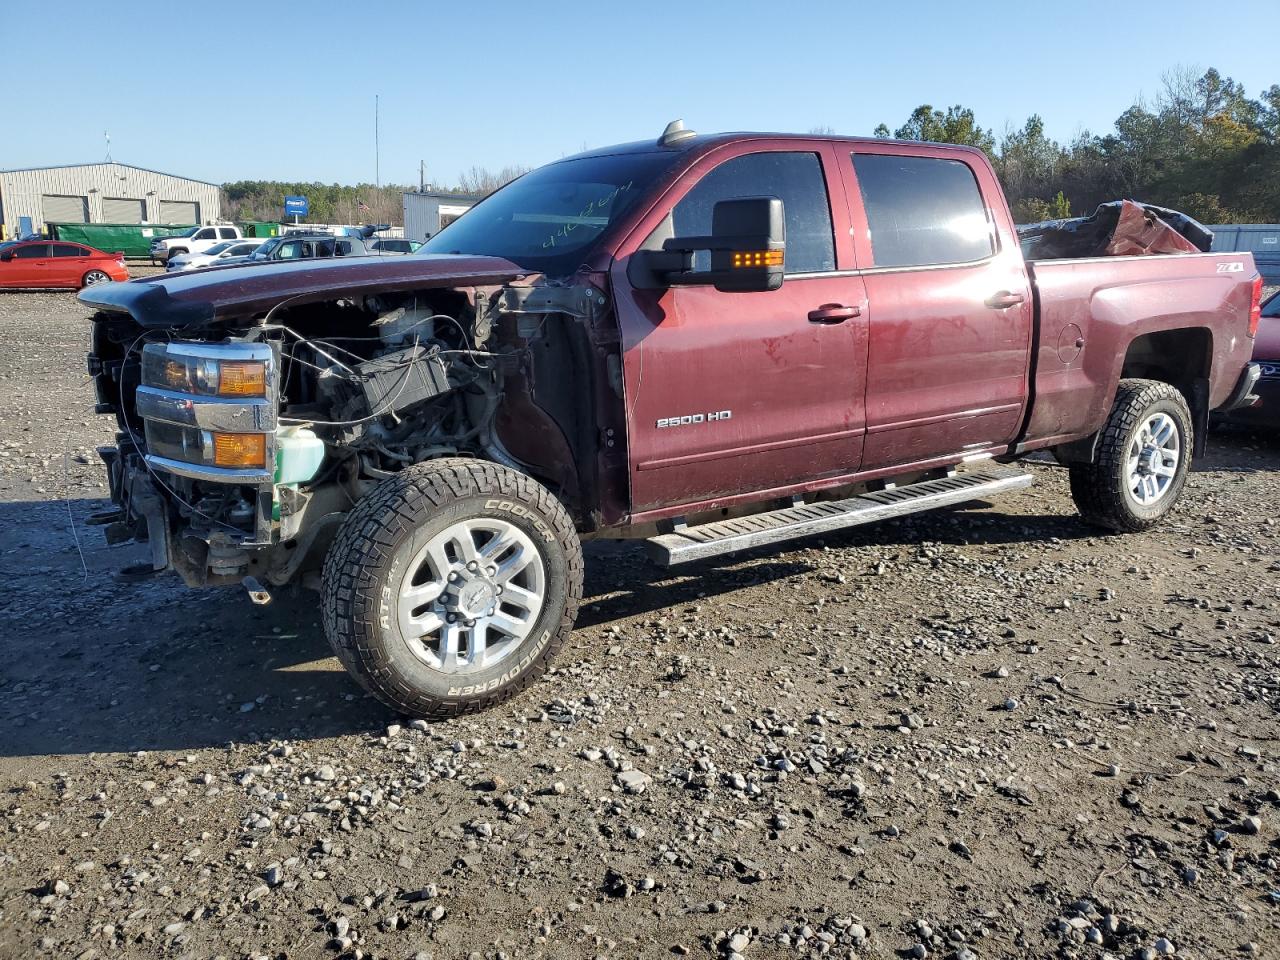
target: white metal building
426 212
102 193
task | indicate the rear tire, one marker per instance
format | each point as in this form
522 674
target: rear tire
452 586
94 277
1142 458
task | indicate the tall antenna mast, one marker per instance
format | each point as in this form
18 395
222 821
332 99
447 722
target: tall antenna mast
377 160
107 136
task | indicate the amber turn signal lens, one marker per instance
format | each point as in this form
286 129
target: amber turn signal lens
239 449
758 258
242 379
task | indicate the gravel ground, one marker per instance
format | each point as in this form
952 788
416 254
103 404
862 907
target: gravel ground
978 733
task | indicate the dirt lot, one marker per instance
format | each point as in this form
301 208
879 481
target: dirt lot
978 733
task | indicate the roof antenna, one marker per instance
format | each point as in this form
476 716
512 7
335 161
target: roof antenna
107 137
674 133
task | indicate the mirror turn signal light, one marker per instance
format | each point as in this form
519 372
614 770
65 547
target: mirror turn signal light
240 450
758 258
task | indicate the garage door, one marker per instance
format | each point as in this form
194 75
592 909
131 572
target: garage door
121 210
179 211
58 209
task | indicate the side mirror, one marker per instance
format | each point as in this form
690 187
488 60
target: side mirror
747 245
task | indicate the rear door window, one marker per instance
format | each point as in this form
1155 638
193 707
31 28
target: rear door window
227 233
69 250
922 211
794 178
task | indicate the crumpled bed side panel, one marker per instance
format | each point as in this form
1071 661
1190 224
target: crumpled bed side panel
1116 228
1139 231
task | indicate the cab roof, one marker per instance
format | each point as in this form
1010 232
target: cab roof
704 142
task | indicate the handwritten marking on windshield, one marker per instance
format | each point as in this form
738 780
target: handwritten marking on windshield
573 223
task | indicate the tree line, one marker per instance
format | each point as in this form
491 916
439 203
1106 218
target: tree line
328 202
263 200
1202 146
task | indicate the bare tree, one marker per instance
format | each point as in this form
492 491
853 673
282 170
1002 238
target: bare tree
483 181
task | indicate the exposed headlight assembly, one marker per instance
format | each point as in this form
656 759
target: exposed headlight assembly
209 410
205 371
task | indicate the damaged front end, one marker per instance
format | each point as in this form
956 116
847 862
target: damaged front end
249 426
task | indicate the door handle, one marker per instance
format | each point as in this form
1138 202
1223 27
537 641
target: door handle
1003 299
833 313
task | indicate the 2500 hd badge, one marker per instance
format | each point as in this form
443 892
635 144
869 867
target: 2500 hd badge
693 418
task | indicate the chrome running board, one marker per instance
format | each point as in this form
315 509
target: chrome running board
685 544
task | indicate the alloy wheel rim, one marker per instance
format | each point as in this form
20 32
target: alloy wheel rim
95 276
1152 459
471 595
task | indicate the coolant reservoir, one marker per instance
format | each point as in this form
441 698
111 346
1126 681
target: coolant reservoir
299 453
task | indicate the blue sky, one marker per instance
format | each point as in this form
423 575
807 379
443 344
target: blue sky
492 83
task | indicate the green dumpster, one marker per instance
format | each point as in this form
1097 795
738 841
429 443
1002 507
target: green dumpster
258 228
134 239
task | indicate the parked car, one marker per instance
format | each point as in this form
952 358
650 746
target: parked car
45 263
393 245
302 246
1266 352
713 343
195 240
217 255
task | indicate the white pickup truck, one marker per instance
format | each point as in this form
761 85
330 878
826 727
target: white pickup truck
195 240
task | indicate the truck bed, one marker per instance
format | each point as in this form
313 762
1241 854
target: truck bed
1101 318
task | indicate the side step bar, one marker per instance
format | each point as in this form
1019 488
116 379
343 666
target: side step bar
743 533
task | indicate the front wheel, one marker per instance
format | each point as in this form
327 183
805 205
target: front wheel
452 586
1142 459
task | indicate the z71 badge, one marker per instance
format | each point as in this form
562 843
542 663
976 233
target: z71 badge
688 421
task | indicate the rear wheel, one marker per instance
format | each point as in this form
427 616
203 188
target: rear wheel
451 587
1142 459
95 276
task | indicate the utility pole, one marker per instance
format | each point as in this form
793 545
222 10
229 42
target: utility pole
422 176
377 169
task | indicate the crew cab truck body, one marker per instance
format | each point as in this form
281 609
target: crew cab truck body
195 240
711 343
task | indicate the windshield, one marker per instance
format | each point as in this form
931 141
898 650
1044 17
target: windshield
1272 307
550 219
219 247
264 251
185 233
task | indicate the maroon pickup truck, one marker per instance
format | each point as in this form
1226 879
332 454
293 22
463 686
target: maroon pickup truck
711 343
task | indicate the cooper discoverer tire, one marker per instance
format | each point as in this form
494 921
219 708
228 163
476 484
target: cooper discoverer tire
452 586
1142 459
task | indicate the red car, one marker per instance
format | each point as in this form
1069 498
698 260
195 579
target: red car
45 263
1266 353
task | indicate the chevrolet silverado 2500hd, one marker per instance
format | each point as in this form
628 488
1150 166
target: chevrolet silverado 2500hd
709 342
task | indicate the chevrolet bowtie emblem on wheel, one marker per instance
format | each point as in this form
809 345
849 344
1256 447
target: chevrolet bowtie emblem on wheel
694 418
